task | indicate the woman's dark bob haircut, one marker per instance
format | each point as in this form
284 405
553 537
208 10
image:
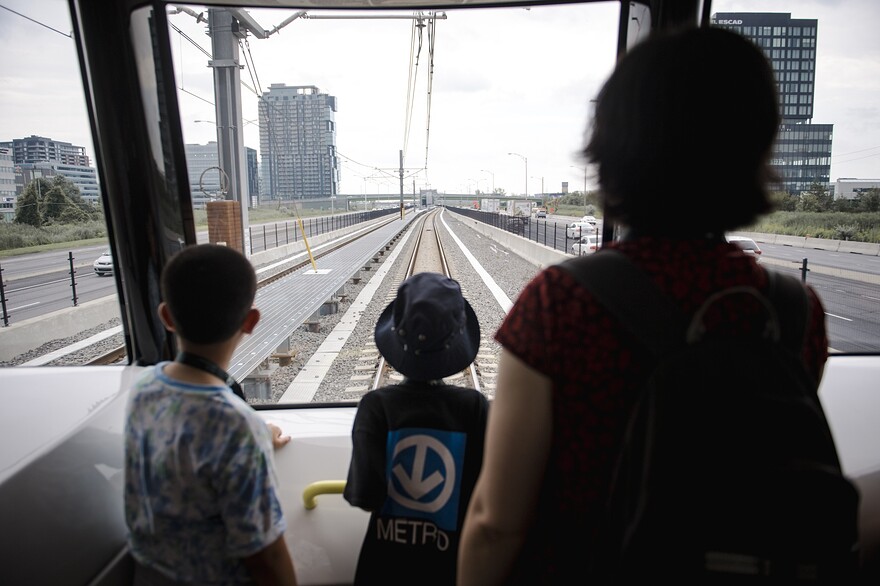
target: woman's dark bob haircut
682 134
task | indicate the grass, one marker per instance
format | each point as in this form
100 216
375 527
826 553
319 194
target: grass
17 239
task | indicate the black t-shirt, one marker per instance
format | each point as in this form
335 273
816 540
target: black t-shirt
416 454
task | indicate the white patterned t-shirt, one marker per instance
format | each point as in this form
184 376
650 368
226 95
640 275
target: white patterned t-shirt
200 482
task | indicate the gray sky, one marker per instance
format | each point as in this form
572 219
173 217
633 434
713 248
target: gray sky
517 81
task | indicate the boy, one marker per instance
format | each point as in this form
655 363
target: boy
418 445
201 498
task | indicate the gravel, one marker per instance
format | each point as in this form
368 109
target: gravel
510 272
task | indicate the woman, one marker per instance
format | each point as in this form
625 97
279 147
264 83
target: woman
683 130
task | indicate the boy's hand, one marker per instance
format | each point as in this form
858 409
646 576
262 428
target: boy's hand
278 440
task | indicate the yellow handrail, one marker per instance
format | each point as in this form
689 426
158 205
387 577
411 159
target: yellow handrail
321 487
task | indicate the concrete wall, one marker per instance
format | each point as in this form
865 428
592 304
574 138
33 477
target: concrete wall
866 248
535 253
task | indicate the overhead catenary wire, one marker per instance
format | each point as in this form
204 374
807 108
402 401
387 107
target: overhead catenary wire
55 30
415 50
417 43
432 37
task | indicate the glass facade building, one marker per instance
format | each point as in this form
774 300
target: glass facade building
298 143
35 149
802 152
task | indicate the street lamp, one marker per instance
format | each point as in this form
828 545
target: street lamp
526 161
585 186
493 179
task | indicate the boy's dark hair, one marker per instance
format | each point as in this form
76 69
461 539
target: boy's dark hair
209 290
682 133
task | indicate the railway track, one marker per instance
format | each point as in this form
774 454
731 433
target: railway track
423 252
101 356
427 255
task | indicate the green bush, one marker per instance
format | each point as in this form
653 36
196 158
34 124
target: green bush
865 226
14 236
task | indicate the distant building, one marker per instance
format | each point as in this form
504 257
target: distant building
85 178
298 143
202 163
203 169
847 188
7 185
253 175
802 152
35 149
7 175
38 156
7 211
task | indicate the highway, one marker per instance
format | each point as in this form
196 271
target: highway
40 283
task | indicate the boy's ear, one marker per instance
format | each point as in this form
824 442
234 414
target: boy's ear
165 316
250 320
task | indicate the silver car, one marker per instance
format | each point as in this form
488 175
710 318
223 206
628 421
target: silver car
104 264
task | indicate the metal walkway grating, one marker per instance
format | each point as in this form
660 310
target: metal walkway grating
287 303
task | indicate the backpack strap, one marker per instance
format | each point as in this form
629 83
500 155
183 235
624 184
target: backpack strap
627 292
793 309
631 296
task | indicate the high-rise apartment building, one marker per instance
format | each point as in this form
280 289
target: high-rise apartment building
298 143
35 149
802 152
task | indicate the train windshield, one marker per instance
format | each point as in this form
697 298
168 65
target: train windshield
300 132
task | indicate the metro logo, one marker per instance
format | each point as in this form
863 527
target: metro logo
424 468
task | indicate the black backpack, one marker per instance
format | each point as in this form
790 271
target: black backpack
728 472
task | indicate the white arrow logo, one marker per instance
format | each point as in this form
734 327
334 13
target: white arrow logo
414 483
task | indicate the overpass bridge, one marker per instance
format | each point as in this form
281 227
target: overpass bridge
361 201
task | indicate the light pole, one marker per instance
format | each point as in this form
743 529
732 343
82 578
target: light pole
493 179
585 186
526 161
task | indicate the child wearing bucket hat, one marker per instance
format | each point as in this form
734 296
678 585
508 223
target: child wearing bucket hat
418 445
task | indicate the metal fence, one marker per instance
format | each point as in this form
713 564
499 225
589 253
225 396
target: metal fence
44 288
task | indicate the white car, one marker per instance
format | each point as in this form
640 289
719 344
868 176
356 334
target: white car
578 229
104 264
585 245
746 244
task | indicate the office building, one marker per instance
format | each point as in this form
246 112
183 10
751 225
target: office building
850 188
202 164
298 143
802 152
85 178
206 182
38 156
35 149
7 175
253 175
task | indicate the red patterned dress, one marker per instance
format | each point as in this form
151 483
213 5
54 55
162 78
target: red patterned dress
559 329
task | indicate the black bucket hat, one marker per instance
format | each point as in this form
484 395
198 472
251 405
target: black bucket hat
429 331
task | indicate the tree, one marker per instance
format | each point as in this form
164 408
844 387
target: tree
783 201
57 200
870 201
27 205
816 199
